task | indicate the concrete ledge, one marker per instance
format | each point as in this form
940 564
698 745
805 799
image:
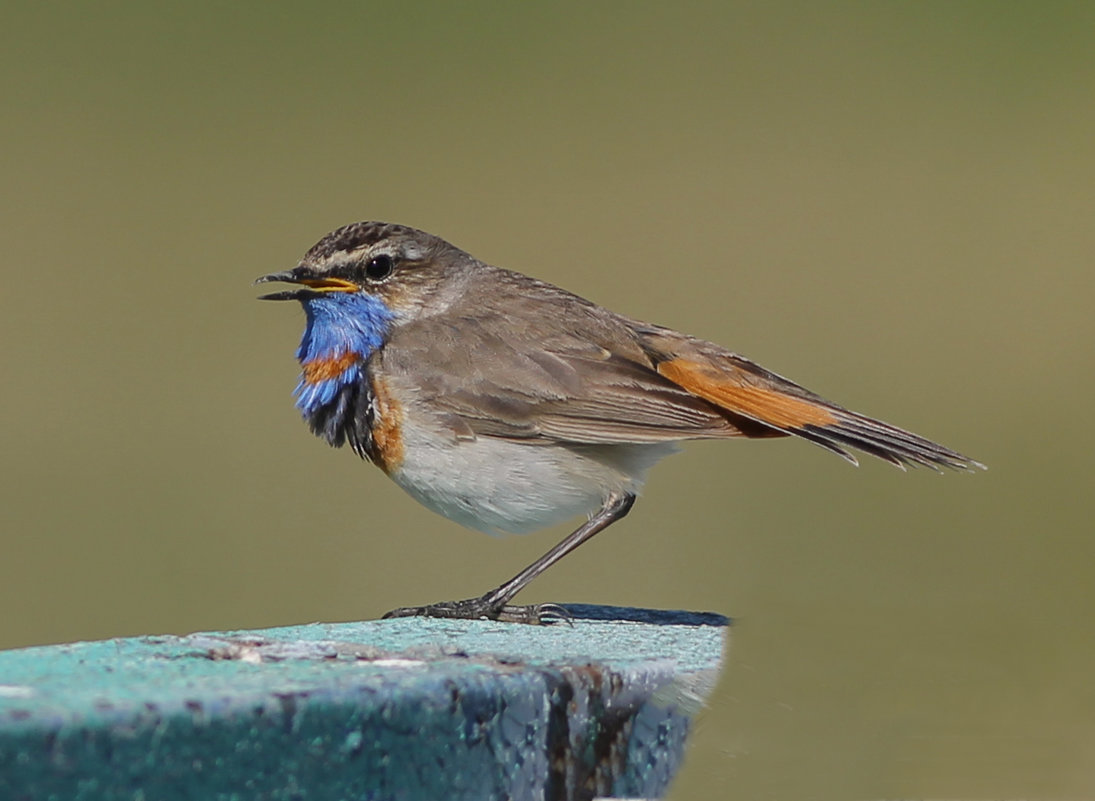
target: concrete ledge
398 709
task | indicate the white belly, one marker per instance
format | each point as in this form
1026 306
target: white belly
496 485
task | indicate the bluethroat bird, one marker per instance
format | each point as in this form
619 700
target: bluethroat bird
507 404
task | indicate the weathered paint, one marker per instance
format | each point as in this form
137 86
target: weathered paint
410 708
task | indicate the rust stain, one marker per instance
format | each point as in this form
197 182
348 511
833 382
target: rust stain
729 392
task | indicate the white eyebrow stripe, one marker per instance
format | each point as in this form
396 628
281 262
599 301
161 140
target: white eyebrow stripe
396 250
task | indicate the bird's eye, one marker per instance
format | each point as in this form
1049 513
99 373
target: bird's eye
379 267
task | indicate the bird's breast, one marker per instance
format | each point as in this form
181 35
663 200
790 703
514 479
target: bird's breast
344 402
498 485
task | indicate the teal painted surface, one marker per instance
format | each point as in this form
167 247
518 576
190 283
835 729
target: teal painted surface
400 709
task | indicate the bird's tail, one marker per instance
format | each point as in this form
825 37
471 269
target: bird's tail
744 390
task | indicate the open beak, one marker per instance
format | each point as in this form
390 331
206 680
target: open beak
311 286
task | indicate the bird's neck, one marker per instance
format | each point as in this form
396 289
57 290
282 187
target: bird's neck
343 330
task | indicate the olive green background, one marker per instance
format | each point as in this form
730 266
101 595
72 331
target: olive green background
891 203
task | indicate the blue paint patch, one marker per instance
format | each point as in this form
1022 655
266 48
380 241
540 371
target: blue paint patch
339 323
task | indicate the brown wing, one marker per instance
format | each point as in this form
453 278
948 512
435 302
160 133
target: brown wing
491 378
532 362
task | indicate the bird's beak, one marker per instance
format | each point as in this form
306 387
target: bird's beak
315 286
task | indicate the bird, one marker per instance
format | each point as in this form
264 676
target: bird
507 404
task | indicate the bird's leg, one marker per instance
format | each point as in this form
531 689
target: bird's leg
495 604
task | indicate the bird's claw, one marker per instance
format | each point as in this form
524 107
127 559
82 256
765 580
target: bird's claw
484 609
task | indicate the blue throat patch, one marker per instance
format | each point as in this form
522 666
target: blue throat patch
340 325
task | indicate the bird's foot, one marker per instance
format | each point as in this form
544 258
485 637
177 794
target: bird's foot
485 608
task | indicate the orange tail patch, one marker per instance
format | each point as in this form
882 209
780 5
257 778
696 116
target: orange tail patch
742 391
729 392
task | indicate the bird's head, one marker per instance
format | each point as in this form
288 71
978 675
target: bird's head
394 265
355 285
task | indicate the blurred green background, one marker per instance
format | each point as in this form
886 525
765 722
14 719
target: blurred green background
891 203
